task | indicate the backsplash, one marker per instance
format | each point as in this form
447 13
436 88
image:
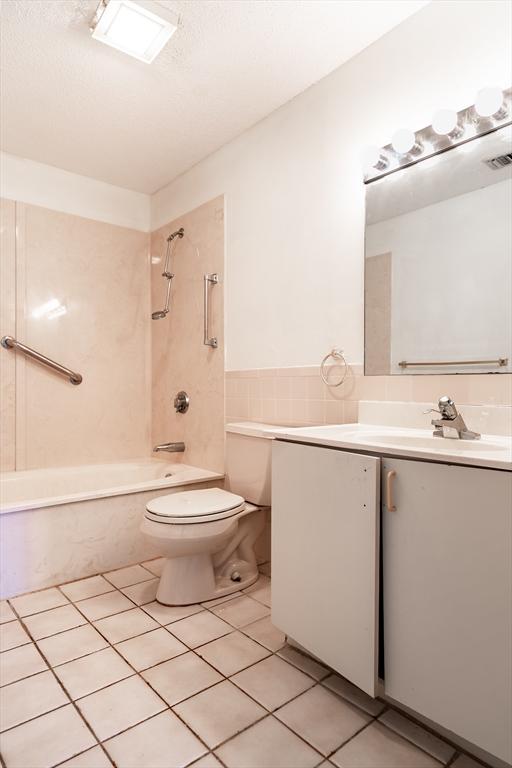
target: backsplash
298 395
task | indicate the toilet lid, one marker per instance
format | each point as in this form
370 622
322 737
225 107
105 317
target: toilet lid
194 506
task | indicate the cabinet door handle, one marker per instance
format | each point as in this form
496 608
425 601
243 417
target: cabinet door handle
389 490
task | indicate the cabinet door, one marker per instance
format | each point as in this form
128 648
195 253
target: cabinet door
447 598
325 531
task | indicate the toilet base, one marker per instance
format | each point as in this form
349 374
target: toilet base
198 577
193 581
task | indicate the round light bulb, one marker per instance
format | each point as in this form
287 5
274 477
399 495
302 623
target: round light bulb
373 158
489 103
404 141
446 123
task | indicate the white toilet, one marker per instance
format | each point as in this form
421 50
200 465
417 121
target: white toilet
208 536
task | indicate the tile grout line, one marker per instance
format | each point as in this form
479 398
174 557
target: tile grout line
240 629
65 692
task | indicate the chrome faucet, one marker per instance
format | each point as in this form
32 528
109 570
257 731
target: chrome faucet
451 424
170 447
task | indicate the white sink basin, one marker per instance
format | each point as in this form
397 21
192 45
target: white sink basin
490 451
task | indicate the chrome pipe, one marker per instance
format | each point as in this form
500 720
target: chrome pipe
8 342
213 279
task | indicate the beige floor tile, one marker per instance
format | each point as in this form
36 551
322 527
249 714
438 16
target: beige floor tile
261 591
142 593
124 577
57 620
265 633
208 761
220 600
219 713
303 662
154 566
355 695
323 719
19 663
167 614
151 648
12 635
85 588
72 644
161 742
418 735
36 602
118 707
241 611
181 677
273 682
93 758
90 673
200 629
47 740
268 744
378 747
104 605
29 698
231 653
123 625
6 612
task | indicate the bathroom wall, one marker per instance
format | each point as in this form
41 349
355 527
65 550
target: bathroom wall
180 359
298 396
99 276
293 184
7 324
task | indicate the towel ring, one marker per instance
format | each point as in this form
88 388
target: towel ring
337 354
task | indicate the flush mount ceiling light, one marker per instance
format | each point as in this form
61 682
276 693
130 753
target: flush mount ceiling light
137 29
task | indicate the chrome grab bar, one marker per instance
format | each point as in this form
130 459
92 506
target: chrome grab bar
209 341
8 342
500 362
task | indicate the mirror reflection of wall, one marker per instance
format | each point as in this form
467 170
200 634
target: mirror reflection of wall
438 267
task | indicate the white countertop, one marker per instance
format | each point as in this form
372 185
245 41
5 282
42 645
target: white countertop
492 451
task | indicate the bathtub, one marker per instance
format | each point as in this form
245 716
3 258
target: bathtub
58 525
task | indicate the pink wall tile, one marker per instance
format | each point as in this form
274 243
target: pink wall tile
180 359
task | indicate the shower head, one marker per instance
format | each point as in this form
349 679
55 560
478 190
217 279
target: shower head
159 315
179 233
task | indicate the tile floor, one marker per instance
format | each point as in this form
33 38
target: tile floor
96 673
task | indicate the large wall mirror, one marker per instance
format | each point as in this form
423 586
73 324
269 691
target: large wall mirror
438 263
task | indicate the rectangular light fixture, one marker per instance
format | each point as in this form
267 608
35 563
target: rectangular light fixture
133 28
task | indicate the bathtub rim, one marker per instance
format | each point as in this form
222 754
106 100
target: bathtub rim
25 505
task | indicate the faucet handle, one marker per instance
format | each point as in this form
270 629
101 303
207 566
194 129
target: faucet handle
431 410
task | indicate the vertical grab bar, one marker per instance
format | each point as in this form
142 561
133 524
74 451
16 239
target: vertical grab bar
209 341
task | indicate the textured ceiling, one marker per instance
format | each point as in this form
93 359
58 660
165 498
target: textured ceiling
72 102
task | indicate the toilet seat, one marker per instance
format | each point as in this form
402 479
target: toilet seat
188 507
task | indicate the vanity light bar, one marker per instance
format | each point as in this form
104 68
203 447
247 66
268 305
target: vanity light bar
492 110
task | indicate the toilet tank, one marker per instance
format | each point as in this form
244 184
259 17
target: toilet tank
248 461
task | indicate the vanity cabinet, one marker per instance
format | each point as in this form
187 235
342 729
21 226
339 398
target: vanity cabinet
325 522
447 589
446 580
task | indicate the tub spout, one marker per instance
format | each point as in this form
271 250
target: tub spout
170 447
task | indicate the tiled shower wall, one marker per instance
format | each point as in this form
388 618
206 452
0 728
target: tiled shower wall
297 396
104 277
100 274
181 361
